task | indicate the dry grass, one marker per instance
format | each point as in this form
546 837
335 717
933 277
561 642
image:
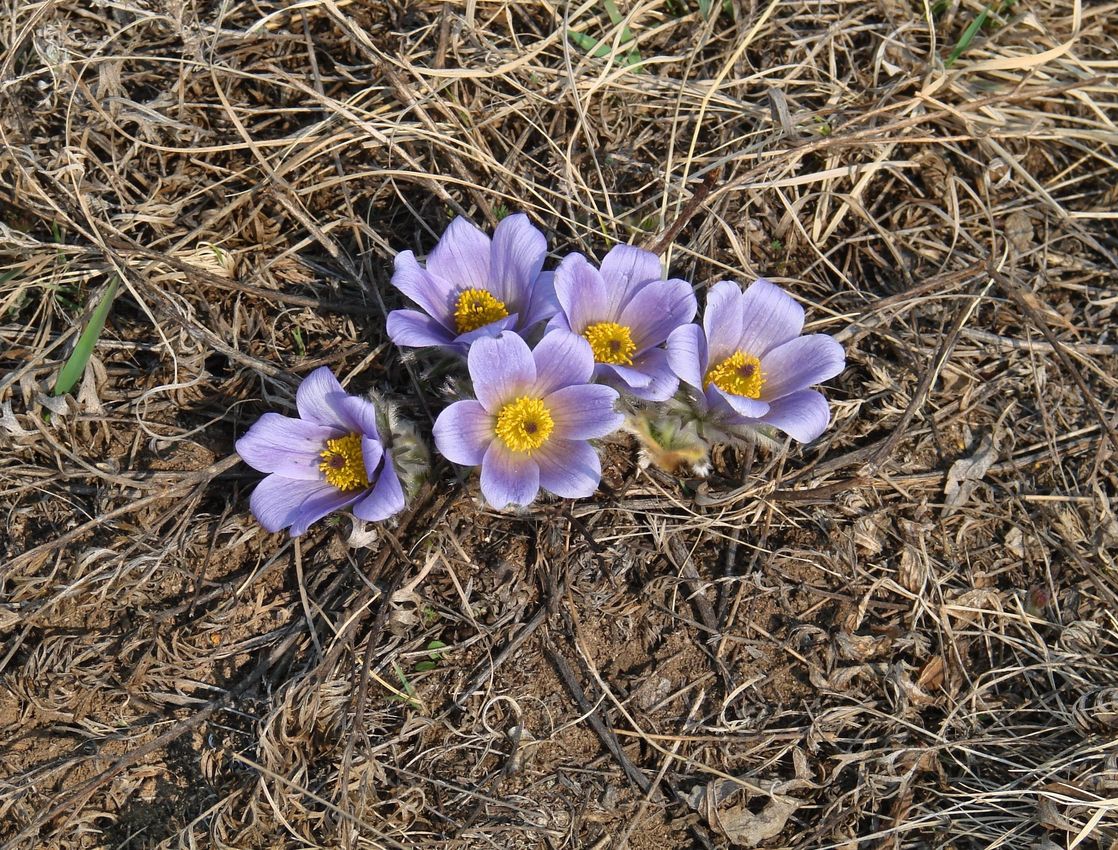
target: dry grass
901 636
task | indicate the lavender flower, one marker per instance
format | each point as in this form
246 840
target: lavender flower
750 364
473 287
534 412
330 458
625 311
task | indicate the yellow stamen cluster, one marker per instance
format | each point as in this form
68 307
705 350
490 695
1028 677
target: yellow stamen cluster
611 343
739 374
477 308
343 463
525 424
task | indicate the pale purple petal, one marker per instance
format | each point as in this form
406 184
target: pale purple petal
658 309
625 270
798 364
386 498
290 447
628 376
716 400
360 416
465 340
543 303
279 502
558 322
463 432
501 368
434 294
319 397
412 329
516 259
687 354
569 469
722 320
662 383
802 415
741 405
770 317
508 477
583 412
581 293
372 450
562 358
461 258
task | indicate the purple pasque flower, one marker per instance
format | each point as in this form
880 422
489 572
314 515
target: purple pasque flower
749 361
625 311
534 412
473 286
330 458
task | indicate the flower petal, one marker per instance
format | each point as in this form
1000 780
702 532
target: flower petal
625 270
461 258
628 376
739 404
372 451
562 358
432 293
464 341
584 411
543 304
463 432
360 415
570 469
687 354
722 319
581 293
802 415
770 317
412 329
290 447
517 256
279 502
663 383
658 309
558 322
798 364
318 399
508 477
386 498
501 367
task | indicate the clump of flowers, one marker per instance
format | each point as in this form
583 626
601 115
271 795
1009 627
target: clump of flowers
529 425
618 337
748 365
333 456
473 286
625 311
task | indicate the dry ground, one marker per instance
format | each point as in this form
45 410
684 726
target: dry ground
899 636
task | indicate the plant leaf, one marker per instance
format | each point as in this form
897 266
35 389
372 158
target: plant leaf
968 36
601 49
75 364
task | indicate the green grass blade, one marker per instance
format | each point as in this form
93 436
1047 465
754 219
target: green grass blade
75 365
600 49
588 44
968 36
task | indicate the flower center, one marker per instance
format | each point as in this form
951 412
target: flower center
525 424
477 308
611 343
343 464
740 374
